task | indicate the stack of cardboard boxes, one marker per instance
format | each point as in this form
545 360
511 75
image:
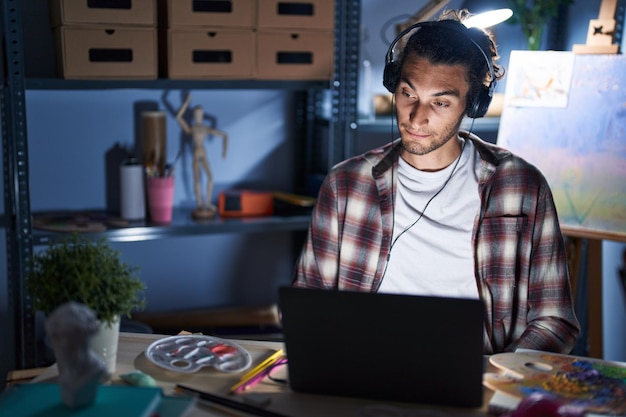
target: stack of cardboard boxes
295 39
115 40
197 39
207 39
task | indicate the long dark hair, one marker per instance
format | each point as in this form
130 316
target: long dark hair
454 47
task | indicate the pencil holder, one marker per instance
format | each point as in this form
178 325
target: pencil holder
161 199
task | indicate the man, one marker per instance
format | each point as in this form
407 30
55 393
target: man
439 211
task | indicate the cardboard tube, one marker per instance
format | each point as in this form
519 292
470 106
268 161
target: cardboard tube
153 132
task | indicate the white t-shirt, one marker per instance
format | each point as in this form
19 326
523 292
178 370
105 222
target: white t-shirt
434 256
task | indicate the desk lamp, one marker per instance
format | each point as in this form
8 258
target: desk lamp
480 20
488 19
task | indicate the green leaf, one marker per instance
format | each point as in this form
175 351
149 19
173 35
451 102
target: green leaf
86 271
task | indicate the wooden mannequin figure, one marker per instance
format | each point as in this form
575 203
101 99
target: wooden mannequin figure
198 132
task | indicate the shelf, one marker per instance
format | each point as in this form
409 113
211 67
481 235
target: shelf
21 236
167 84
183 225
383 124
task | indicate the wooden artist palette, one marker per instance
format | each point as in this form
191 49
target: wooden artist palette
597 385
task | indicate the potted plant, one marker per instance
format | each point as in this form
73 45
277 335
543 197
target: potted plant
533 15
89 272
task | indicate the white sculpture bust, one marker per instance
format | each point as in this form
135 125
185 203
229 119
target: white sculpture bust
70 327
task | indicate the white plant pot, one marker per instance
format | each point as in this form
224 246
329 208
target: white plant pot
105 342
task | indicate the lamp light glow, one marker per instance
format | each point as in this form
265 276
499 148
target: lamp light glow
488 19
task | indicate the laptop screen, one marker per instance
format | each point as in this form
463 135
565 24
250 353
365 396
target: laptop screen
390 347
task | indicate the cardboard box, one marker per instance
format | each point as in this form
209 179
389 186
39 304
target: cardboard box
296 14
95 52
104 12
209 13
210 53
302 55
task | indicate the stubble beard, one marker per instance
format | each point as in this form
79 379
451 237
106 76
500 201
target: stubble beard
419 148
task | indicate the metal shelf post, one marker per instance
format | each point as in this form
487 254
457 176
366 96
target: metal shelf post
343 118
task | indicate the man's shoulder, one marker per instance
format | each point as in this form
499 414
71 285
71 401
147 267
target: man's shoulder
490 152
509 171
499 156
364 161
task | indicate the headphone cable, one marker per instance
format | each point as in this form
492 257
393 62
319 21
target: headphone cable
456 163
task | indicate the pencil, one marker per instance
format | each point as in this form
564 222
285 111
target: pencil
266 363
235 405
255 379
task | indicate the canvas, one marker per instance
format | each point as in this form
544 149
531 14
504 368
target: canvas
565 114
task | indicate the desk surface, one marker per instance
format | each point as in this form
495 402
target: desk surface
281 399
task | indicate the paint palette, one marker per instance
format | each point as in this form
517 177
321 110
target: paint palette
190 353
597 385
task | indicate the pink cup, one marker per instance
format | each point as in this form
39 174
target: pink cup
161 199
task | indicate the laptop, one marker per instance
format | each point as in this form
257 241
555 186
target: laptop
390 347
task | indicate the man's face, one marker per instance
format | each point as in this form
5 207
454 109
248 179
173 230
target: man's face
430 103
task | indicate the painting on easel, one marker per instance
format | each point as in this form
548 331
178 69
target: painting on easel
566 114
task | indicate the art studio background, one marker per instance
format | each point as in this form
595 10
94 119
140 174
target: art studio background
69 141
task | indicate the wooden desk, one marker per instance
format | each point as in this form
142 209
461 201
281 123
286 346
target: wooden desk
282 399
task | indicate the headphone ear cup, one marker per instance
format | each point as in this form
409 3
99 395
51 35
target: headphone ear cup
480 105
391 73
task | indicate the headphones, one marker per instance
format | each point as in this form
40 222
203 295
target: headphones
479 105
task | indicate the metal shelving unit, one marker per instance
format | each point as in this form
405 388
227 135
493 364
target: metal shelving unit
20 238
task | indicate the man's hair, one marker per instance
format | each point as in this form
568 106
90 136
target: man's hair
440 45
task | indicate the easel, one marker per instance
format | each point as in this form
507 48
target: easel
591 260
601 32
600 40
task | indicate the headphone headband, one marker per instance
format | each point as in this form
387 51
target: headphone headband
480 104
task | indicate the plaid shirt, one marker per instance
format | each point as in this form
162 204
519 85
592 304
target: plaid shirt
519 254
